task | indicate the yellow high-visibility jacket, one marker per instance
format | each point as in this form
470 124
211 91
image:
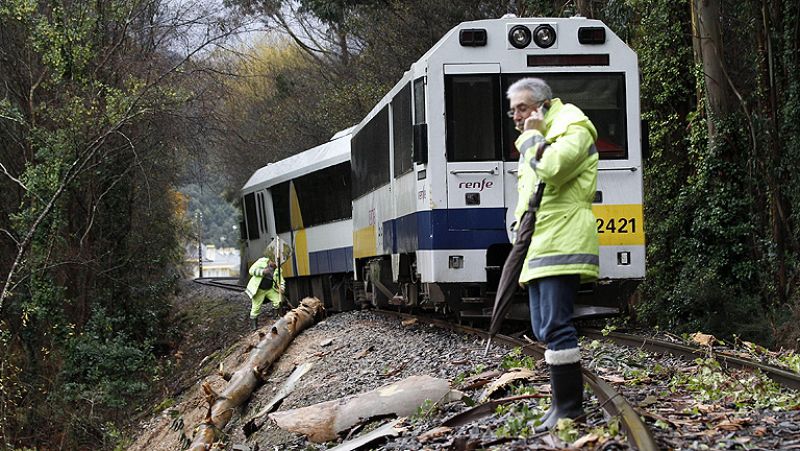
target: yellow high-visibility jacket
565 240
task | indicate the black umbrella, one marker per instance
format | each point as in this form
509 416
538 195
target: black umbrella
509 278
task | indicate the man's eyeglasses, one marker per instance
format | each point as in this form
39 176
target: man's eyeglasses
523 108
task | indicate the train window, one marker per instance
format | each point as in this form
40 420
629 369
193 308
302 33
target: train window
419 100
324 196
473 117
263 213
370 155
601 96
401 129
280 207
251 216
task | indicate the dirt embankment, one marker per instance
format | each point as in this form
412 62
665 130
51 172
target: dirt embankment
214 325
351 354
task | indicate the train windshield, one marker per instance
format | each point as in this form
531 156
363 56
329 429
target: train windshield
477 127
472 108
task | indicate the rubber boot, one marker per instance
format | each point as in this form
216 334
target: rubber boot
567 388
550 409
254 323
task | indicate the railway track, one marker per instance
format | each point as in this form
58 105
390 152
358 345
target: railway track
781 376
613 403
228 283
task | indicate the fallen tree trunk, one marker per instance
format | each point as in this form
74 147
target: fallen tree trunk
324 421
245 380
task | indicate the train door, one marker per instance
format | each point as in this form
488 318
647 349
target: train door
264 235
254 226
475 171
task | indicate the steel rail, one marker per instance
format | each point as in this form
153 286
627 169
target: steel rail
215 282
638 433
783 377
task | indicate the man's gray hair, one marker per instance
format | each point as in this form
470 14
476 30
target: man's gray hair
535 88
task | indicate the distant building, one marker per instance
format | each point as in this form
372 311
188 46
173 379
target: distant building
222 262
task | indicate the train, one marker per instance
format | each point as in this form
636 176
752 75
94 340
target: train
412 206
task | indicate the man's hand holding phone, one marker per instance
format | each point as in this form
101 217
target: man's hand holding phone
536 120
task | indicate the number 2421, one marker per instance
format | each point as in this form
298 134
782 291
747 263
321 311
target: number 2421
618 225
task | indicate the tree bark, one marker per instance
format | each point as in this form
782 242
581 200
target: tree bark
324 421
780 210
707 40
584 8
245 380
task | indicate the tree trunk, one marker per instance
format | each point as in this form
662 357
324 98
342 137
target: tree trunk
324 421
584 8
708 52
245 380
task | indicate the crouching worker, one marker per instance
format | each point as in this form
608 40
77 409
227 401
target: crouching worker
265 282
556 147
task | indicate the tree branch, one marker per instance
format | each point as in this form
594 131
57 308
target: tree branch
14 179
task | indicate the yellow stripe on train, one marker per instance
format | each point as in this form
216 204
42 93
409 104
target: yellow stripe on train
365 243
619 224
301 253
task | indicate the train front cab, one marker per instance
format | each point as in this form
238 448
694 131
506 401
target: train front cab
599 76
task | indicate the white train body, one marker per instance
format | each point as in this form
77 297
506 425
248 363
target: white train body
304 201
434 168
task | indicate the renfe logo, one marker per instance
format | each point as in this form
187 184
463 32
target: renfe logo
477 185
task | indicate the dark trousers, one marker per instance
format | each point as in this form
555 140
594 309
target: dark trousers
552 300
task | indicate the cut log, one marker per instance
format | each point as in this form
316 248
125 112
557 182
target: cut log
253 425
324 421
388 429
245 380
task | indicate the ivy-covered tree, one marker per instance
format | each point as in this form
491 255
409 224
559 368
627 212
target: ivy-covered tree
722 239
92 123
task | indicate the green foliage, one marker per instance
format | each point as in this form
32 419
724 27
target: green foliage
163 405
518 420
789 359
103 366
116 437
515 359
89 205
566 430
427 408
709 384
608 329
714 255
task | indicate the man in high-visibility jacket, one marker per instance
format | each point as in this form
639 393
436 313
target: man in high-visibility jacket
556 147
265 282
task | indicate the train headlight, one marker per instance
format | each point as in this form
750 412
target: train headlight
519 36
456 261
544 36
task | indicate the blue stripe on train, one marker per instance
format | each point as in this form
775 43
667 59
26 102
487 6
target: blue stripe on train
331 261
463 228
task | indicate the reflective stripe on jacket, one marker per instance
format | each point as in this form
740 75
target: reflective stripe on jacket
565 240
256 271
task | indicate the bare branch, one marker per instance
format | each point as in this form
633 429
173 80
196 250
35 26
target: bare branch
14 179
110 187
10 236
312 52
